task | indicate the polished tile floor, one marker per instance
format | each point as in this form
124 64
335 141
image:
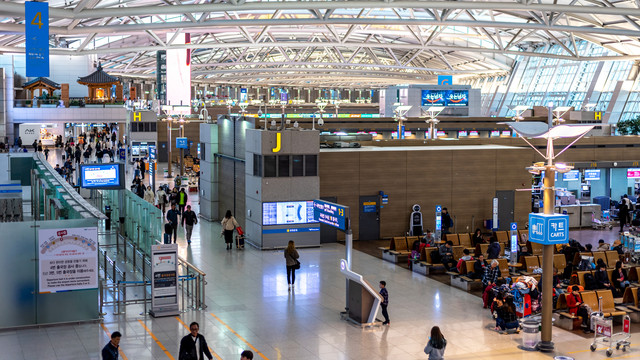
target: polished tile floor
249 307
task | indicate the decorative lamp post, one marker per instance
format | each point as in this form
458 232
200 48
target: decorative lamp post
399 115
541 130
430 113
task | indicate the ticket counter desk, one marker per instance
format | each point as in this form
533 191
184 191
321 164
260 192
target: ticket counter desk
580 215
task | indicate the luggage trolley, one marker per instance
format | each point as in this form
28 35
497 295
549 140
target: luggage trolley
603 332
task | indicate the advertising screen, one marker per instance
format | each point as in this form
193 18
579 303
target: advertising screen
633 173
445 97
473 133
102 176
462 133
433 98
573 175
506 133
495 133
441 134
592 174
287 212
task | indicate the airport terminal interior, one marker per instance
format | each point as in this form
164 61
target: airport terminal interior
319 179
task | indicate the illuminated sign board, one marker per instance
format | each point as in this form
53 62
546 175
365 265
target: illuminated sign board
441 134
592 174
287 213
473 133
331 214
633 173
462 133
495 133
445 97
102 176
573 175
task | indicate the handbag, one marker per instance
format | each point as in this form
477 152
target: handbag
297 264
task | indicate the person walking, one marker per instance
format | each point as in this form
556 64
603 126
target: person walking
623 212
189 218
149 196
182 200
246 355
172 218
229 224
446 221
46 154
194 346
385 302
110 351
436 345
161 199
291 256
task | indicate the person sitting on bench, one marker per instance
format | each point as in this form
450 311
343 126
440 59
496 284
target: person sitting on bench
493 252
477 238
478 268
465 257
602 279
620 279
491 274
429 239
578 308
446 256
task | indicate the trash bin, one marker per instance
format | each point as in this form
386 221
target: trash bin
107 223
166 173
530 334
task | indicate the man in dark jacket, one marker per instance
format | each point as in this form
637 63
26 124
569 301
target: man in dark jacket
194 346
446 255
189 218
172 218
494 249
110 351
478 267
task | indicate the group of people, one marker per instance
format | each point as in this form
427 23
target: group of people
193 346
179 213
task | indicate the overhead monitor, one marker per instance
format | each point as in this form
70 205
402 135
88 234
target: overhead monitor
473 133
633 173
505 133
592 174
585 188
287 213
462 133
495 133
573 175
441 134
102 176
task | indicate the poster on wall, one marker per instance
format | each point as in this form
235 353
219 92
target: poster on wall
68 259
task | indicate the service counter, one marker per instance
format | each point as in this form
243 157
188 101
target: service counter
580 215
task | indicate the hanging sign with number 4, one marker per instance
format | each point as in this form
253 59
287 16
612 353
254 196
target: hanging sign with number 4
37 38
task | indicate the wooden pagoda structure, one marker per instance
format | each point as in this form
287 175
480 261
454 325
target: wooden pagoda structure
37 86
100 84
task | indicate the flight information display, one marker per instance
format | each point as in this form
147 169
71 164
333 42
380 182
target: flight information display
592 174
287 213
102 176
445 97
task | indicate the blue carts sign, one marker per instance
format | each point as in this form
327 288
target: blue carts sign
548 229
181 143
36 28
331 214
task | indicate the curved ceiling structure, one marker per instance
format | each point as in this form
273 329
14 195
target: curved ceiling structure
331 43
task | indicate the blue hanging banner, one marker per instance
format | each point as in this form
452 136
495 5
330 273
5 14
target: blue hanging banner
36 26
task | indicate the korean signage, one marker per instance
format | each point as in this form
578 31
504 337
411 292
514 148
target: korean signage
68 259
633 173
592 174
445 97
37 38
181 143
548 229
164 284
331 214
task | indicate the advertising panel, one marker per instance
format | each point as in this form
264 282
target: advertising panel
573 175
164 284
102 176
445 98
287 212
68 259
37 38
179 75
633 173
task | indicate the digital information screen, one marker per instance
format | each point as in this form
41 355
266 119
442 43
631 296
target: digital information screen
99 176
287 213
335 215
592 174
573 175
633 173
445 97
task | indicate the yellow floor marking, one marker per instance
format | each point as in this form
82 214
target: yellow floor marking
240 337
157 341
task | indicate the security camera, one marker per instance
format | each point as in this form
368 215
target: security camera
259 112
320 122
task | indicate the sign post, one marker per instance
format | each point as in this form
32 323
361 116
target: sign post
514 243
438 230
164 280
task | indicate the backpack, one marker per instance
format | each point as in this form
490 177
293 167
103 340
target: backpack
164 198
435 257
589 282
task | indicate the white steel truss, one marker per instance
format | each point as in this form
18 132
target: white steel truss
331 43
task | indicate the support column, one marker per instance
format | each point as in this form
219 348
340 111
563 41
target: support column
546 345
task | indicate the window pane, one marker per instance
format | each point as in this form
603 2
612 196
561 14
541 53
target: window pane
297 165
257 165
203 151
283 166
311 165
153 127
269 166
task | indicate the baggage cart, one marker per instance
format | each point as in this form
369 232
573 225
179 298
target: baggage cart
604 335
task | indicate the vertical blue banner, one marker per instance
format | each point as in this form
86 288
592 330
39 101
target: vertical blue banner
36 26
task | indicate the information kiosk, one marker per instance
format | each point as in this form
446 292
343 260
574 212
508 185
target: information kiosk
415 225
363 301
